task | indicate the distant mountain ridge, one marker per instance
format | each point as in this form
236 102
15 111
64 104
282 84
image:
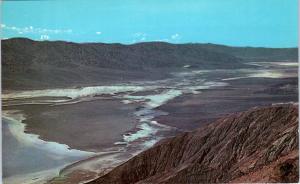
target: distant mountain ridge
259 145
256 53
114 56
33 64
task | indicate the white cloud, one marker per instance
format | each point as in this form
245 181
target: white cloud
175 36
45 37
139 37
139 34
163 40
98 32
34 30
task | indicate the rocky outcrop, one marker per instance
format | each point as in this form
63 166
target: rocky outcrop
259 145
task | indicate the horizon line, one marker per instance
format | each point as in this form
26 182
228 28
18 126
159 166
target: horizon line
145 42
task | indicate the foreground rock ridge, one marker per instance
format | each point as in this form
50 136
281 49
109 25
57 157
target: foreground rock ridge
259 145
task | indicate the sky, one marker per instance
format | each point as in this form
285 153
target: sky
258 23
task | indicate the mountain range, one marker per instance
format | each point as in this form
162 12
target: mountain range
28 64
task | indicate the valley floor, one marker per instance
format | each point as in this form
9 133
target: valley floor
96 128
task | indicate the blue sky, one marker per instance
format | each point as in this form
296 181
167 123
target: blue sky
269 23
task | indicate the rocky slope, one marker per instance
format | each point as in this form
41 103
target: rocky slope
259 145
